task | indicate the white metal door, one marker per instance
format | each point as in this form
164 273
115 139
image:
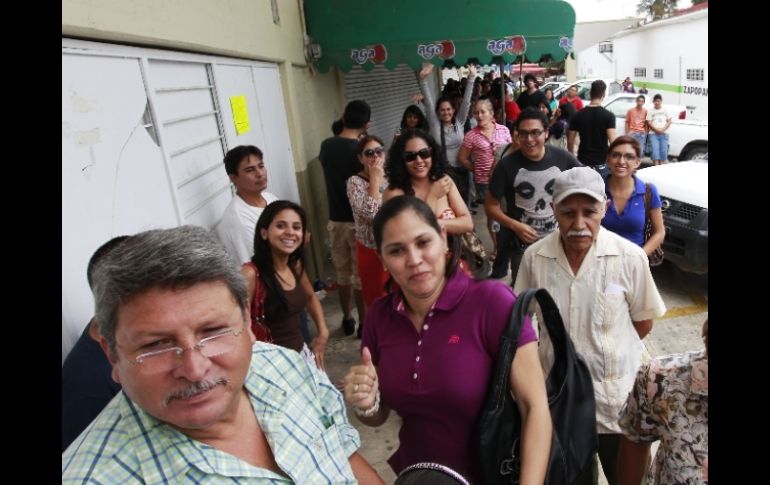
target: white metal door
184 101
144 132
277 146
113 176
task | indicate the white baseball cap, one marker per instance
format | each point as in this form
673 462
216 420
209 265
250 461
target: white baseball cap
578 180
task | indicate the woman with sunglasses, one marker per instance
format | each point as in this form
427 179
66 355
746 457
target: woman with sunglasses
279 263
365 195
626 193
416 166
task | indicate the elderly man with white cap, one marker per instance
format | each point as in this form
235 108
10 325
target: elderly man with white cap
602 285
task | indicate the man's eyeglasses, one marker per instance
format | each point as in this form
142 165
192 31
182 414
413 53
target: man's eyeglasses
527 134
374 152
425 153
628 157
169 358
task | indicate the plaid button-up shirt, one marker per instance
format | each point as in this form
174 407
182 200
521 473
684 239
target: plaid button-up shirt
300 412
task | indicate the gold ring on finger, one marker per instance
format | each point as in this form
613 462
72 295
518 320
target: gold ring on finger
355 387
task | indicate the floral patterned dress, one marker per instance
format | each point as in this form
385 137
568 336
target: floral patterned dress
669 402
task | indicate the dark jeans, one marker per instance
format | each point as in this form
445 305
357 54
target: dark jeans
509 250
609 444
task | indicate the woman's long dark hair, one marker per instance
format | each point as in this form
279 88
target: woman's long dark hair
442 100
275 301
439 102
395 166
402 203
422 121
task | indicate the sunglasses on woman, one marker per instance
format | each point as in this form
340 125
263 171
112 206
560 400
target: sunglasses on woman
425 153
372 152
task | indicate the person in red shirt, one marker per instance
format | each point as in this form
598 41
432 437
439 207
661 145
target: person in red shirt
636 124
573 98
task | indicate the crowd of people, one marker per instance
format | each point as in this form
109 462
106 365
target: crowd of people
198 364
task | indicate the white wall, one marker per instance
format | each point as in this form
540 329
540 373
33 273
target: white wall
674 47
591 63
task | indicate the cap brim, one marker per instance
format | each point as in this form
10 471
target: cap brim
590 193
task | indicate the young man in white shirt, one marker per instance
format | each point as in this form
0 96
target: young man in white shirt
245 166
658 120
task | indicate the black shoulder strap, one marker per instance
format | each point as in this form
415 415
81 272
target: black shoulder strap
509 341
647 198
504 153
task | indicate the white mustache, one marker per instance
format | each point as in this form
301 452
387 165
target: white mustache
194 388
584 233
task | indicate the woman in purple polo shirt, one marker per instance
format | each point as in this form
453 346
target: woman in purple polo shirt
626 214
430 348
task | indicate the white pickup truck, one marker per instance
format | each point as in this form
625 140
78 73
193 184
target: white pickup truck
688 138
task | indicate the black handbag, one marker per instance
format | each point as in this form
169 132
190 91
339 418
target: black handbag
570 399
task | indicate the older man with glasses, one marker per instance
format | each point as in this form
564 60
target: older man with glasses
199 403
524 179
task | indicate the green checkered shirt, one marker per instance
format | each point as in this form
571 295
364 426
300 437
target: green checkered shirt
301 414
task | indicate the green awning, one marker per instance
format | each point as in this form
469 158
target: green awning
443 32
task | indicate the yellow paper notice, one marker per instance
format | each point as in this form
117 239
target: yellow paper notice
240 114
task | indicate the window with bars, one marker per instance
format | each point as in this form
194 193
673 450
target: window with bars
695 74
605 47
657 73
640 72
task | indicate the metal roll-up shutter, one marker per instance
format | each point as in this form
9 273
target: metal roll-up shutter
387 92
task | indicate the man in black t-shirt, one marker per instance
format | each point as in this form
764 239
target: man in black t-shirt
596 126
525 180
340 161
531 96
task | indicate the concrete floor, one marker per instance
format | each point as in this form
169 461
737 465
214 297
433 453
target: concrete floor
679 330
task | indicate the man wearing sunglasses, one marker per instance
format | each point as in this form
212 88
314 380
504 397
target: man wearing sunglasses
199 403
524 179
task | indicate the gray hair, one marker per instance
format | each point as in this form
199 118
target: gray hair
161 258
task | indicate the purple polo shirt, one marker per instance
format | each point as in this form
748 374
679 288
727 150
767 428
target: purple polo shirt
437 380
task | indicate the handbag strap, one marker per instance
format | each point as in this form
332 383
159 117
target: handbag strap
258 302
509 341
647 222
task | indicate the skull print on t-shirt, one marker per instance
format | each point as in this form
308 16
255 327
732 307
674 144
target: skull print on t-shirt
534 192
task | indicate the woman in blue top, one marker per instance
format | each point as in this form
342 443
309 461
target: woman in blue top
626 213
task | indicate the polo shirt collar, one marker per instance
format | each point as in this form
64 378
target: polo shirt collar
455 288
639 186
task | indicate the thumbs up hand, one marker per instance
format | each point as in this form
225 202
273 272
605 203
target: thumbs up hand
361 382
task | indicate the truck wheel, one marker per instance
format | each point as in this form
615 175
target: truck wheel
694 152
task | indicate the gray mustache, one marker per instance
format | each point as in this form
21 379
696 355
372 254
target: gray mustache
195 388
579 233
